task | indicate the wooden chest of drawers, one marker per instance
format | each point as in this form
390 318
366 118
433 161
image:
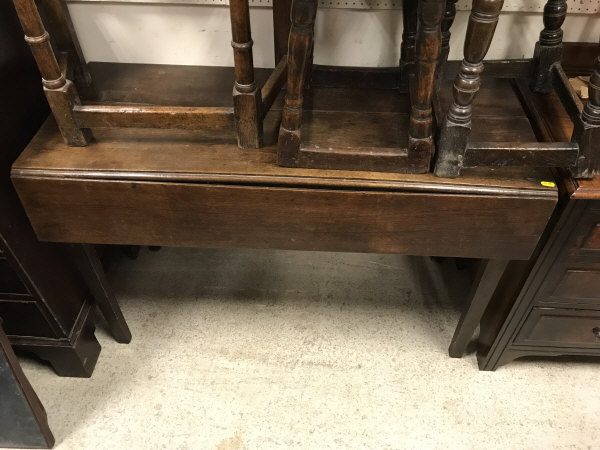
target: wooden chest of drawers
557 311
44 302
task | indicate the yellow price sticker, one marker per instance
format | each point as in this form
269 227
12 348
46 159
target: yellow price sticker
548 184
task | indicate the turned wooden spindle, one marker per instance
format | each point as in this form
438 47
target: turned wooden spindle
281 27
60 92
246 96
300 46
57 20
456 128
428 46
447 21
409 39
587 132
548 50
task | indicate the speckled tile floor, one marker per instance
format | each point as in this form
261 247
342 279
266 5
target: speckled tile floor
264 349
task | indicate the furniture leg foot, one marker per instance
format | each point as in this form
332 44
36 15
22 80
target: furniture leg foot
75 357
484 286
91 269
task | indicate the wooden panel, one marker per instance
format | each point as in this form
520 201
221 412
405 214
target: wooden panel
10 282
593 240
354 129
538 154
561 328
179 214
23 318
584 284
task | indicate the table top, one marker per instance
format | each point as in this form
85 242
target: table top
210 157
172 188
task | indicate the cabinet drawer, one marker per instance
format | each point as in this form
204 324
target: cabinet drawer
561 328
585 237
23 318
592 240
9 281
579 285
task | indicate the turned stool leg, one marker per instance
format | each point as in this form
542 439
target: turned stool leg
247 101
548 50
447 21
60 91
300 46
428 46
58 21
456 127
409 39
587 132
281 27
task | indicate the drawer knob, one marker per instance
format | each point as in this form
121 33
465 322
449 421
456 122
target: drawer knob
596 331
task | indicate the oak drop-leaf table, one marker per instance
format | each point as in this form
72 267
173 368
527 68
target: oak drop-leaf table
178 188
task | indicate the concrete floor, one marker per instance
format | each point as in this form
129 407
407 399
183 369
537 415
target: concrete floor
265 349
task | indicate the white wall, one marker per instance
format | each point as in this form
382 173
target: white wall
200 35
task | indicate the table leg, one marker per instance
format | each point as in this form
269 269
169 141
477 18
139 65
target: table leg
485 284
91 269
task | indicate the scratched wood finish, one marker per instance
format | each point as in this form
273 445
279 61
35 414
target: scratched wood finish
548 49
456 127
107 116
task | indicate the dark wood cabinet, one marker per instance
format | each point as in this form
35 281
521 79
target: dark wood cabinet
43 298
557 311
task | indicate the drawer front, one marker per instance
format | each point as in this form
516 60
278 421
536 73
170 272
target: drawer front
9 280
561 328
571 286
592 240
584 238
23 318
